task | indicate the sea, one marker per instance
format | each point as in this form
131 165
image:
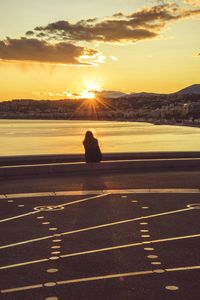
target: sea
28 137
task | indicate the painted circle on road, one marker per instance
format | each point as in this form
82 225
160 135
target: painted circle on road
172 287
152 256
48 208
55 252
52 270
55 247
49 284
54 257
149 249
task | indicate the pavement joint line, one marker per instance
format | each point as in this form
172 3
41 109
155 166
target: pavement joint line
129 245
83 200
54 207
22 288
78 280
24 263
103 250
97 227
126 221
183 268
96 278
19 216
114 191
26 242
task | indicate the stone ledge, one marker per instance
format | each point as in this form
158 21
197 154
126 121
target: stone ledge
67 158
81 167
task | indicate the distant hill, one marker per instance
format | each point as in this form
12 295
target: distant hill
110 94
192 89
143 94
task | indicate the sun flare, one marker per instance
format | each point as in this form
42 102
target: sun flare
90 88
87 94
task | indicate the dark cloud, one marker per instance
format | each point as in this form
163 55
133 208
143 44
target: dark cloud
30 32
25 49
145 23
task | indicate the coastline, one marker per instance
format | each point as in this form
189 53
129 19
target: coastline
156 122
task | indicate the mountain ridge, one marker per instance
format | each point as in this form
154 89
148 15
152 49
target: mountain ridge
192 89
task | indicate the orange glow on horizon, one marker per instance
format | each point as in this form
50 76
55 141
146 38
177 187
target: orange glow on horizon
89 92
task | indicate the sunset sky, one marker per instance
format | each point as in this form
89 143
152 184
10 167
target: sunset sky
53 49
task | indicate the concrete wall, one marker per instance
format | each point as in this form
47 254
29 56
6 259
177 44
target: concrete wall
88 168
66 158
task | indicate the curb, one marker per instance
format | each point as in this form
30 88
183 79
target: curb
69 168
67 158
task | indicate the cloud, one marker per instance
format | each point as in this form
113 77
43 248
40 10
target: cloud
36 50
145 23
113 57
192 2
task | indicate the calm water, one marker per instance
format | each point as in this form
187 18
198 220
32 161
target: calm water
19 137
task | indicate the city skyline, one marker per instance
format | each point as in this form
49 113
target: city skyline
63 48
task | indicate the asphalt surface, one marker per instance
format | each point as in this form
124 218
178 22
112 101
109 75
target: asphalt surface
101 238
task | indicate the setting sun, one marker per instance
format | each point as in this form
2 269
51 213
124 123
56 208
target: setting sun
92 86
87 94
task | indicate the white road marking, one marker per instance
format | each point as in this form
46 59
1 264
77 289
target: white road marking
96 278
83 200
172 287
52 270
110 276
22 288
152 256
24 263
183 268
50 284
61 205
27 242
126 221
103 250
98 227
129 245
30 287
52 208
19 216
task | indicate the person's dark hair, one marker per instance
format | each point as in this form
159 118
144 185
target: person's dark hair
89 136
92 150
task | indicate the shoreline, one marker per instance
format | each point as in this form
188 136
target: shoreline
156 122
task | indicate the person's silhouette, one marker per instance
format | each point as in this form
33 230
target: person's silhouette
92 150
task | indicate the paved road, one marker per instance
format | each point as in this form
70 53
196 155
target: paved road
108 180
99 241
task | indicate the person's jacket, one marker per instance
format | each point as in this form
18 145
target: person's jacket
92 151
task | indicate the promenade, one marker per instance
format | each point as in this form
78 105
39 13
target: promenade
119 233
